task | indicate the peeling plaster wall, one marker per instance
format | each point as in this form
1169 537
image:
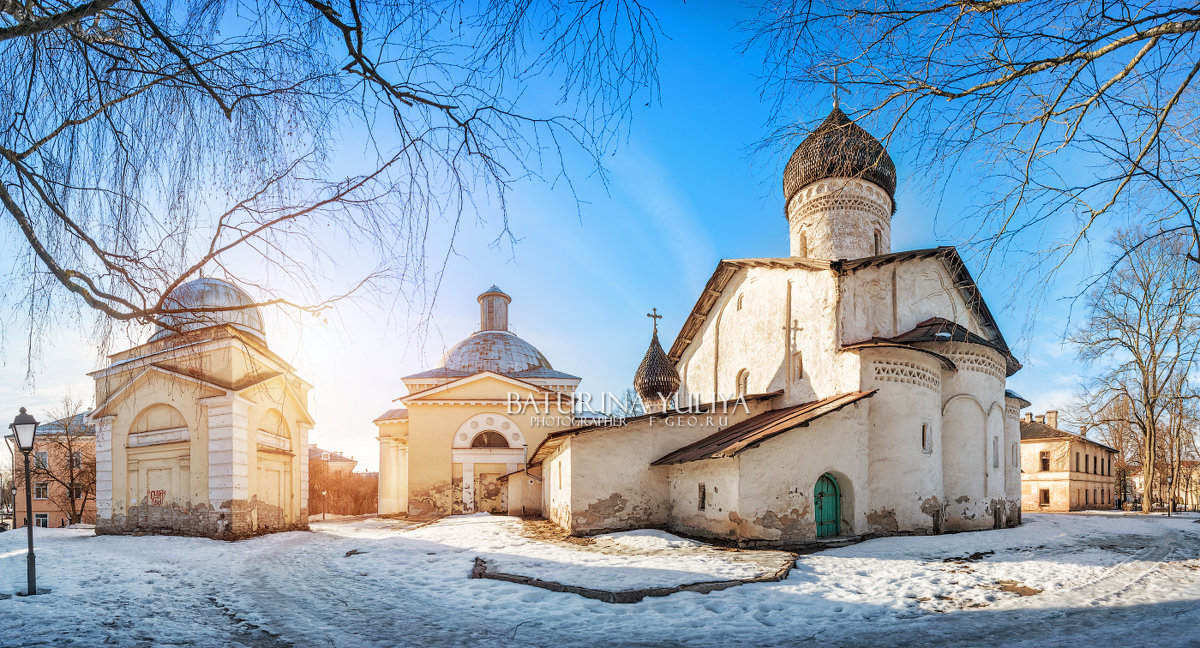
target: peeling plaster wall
556 486
719 518
775 495
614 487
180 456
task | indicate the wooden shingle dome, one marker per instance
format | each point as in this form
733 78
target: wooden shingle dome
656 377
839 148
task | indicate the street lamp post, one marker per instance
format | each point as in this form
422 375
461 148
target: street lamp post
1170 495
323 506
24 427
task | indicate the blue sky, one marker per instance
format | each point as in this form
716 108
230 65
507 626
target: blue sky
684 191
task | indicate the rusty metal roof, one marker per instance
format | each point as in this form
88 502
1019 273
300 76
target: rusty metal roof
756 429
940 329
1034 431
556 439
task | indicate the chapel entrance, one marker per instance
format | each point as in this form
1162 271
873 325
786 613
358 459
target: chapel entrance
490 495
827 506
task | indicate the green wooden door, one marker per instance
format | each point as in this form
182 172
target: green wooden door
827 504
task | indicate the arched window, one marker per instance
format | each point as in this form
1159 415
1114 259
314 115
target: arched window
878 242
489 439
803 245
743 379
797 366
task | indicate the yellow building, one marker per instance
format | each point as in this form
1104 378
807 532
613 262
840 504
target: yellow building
1061 471
202 430
469 422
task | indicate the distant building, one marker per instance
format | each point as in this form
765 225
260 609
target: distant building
333 460
62 473
1063 471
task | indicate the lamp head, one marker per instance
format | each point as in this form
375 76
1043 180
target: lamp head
24 426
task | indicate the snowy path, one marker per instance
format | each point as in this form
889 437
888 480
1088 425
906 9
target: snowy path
1115 580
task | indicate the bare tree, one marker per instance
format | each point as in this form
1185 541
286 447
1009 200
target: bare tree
1140 332
340 492
628 404
69 444
1111 422
1068 113
144 143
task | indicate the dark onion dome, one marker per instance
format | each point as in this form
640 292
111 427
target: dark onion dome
839 148
207 292
656 377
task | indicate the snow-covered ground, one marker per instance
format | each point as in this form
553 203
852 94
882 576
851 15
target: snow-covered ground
1060 580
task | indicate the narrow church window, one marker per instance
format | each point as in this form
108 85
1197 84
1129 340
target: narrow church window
803 245
878 243
1044 457
1076 462
1044 496
743 379
797 366
926 438
703 493
1016 456
995 452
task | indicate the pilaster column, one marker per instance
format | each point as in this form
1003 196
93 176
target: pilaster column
389 477
301 450
228 463
104 468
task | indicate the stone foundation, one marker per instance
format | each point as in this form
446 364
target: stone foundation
233 521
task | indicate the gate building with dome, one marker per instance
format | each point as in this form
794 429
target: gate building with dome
459 440
202 430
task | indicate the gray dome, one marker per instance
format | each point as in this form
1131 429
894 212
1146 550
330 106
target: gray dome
839 148
207 292
498 351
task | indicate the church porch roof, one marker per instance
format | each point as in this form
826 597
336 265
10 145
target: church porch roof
554 440
938 329
756 429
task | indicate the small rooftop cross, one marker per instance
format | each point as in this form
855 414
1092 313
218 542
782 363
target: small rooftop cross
653 314
837 86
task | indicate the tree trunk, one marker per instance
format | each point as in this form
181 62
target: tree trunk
1148 457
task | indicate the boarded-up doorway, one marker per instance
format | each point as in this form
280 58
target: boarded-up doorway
490 494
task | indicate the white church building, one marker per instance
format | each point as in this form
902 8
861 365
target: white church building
872 385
